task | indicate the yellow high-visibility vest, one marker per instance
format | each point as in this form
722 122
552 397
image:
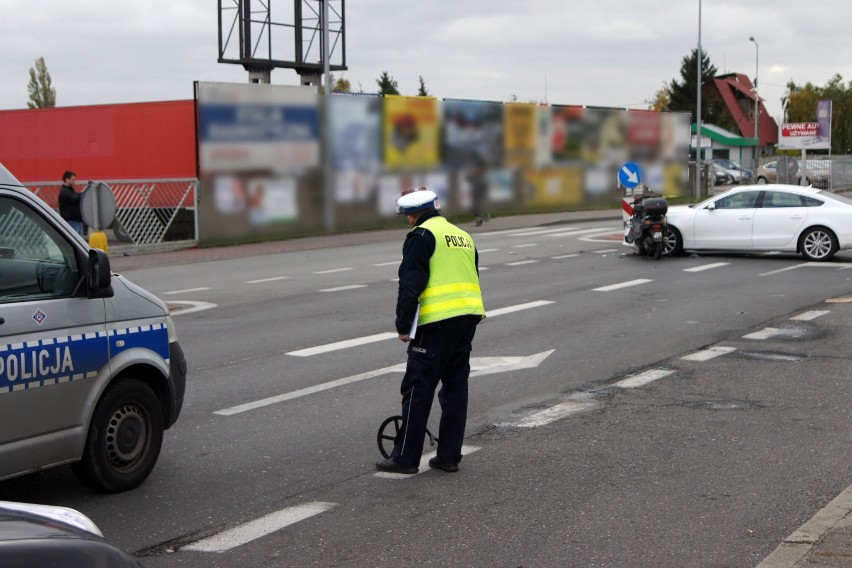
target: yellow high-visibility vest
453 286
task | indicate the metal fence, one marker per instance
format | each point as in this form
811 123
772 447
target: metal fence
20 237
148 212
825 172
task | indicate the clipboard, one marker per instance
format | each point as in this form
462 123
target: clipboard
413 331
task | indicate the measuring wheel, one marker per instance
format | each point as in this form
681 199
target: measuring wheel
387 435
385 439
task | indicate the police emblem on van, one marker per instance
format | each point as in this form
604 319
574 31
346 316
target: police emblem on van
39 316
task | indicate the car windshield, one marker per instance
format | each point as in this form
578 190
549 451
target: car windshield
836 197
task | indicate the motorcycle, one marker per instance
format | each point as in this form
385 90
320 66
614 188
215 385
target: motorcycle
646 228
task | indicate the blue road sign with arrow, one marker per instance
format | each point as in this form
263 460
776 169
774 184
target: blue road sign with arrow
629 176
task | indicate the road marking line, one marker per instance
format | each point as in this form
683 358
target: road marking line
811 264
520 262
552 414
196 307
481 268
784 269
525 245
341 288
622 285
343 344
604 250
808 316
387 263
187 290
332 270
706 267
338 345
266 280
310 390
517 308
765 333
564 256
486 250
578 232
839 300
594 239
709 353
258 528
642 379
424 464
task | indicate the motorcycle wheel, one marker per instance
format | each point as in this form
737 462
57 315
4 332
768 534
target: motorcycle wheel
658 250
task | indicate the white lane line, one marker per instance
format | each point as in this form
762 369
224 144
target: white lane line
517 308
594 239
552 414
187 290
706 267
343 344
341 288
564 256
481 268
622 285
310 390
784 269
764 333
338 345
525 245
574 232
520 262
273 279
257 528
332 270
387 263
424 464
604 251
486 250
709 353
808 316
642 379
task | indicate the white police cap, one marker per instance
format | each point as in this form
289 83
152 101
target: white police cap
417 201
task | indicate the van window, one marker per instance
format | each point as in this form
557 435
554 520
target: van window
36 262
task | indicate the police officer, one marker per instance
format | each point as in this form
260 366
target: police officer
439 286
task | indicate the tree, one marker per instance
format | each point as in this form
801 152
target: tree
341 85
683 93
662 98
800 105
42 93
387 84
422 92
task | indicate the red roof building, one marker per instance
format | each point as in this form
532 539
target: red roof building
736 92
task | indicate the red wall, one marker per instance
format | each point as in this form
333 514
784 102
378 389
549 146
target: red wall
121 141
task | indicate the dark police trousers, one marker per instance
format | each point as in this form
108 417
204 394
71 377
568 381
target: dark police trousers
439 352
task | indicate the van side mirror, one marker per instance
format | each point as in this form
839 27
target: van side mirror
99 277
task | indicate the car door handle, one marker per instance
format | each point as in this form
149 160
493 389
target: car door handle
797 217
745 217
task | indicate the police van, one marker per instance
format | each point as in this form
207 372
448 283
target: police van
91 372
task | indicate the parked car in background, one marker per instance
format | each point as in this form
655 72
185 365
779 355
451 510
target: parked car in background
762 218
42 535
817 173
738 173
721 176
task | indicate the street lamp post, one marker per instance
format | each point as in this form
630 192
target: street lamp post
756 104
698 114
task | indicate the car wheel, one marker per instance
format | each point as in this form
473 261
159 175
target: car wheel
124 439
761 180
818 244
673 242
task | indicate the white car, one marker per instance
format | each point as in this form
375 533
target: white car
767 217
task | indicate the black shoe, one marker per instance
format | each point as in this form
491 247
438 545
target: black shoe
392 466
435 463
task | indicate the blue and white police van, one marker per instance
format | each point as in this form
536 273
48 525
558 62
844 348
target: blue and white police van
91 372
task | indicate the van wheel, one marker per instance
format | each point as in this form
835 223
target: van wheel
818 243
124 438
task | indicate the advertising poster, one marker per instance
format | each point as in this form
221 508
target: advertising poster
271 200
257 127
411 131
808 135
543 152
356 123
567 133
473 133
520 137
553 187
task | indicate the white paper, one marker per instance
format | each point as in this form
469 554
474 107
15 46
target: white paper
414 323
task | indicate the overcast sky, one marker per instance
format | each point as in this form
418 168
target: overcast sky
590 52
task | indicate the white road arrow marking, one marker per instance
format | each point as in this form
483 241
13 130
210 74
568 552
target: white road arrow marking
195 307
479 366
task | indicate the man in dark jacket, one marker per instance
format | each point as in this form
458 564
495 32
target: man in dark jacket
439 304
69 202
